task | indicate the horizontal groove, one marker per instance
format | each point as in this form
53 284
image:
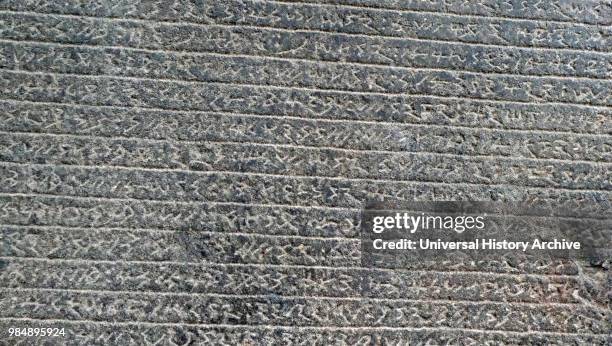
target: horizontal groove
314 120
86 231
263 205
306 328
293 266
297 177
306 89
157 22
303 60
88 228
375 6
293 297
159 230
304 147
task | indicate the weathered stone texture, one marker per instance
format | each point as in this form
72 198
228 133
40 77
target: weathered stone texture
182 172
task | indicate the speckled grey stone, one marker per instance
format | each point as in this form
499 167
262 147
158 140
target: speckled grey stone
182 172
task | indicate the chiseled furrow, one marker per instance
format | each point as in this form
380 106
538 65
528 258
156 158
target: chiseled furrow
289 281
307 103
101 333
71 212
573 11
161 124
243 70
314 46
83 123
300 161
366 21
51 211
182 246
189 245
298 311
232 187
371 133
178 215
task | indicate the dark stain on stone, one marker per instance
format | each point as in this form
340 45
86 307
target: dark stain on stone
3 264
